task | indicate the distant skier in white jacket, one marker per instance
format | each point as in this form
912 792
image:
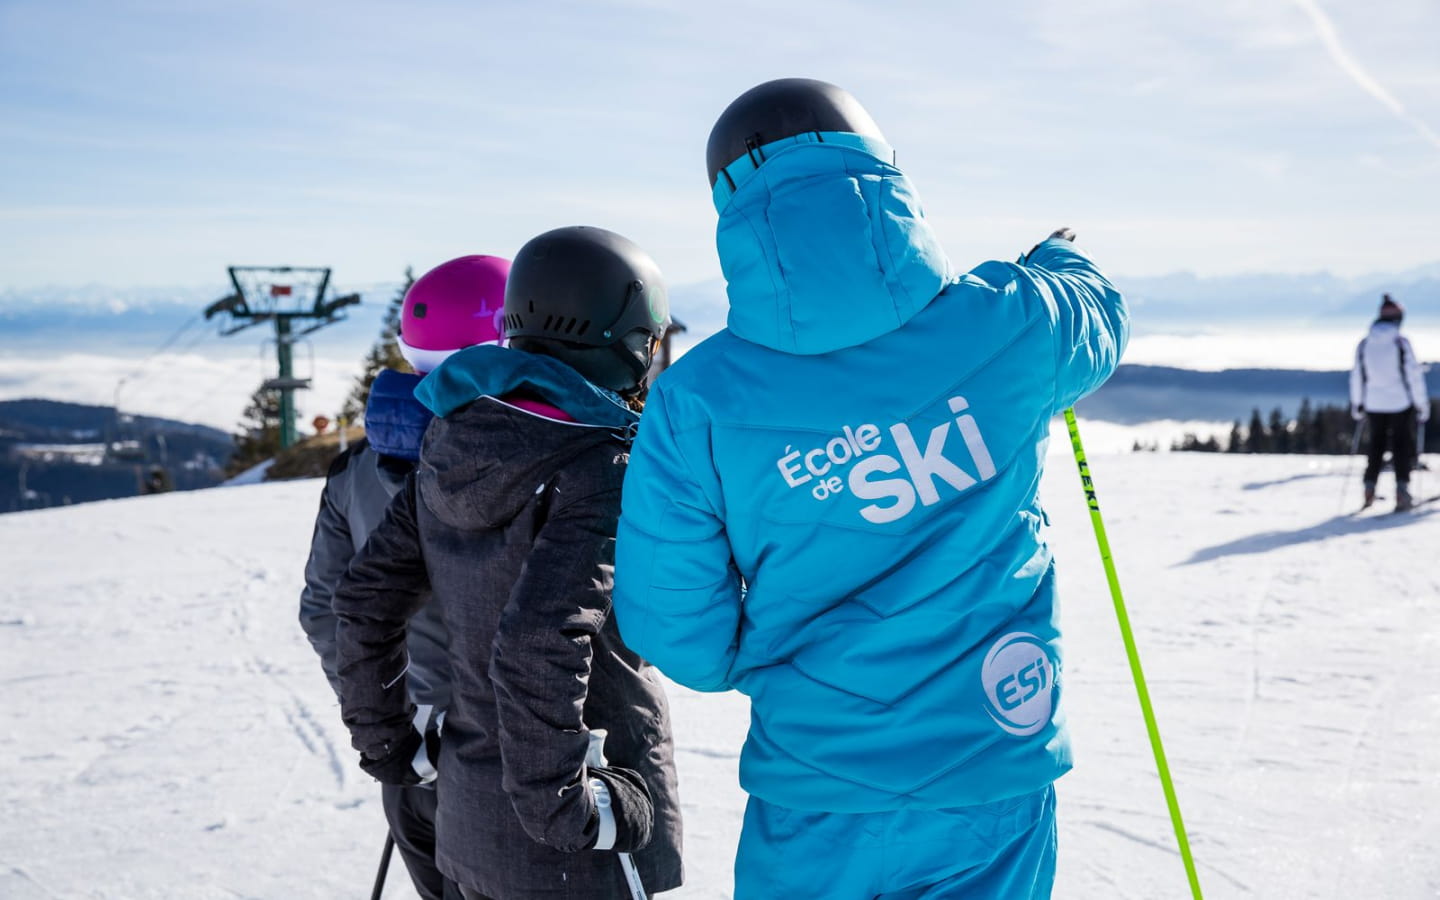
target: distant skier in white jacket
1388 387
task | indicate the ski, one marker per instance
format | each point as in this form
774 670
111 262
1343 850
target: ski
1395 512
1370 505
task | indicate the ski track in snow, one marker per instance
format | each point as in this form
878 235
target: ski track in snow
167 723
23 875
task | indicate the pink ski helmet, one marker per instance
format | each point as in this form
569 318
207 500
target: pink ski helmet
455 305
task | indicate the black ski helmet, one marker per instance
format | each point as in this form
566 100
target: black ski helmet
780 109
590 298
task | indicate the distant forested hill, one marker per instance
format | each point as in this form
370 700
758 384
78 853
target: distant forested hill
1138 394
53 453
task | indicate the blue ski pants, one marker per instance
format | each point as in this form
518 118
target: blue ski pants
995 851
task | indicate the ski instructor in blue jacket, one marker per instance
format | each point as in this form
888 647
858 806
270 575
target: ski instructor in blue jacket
831 507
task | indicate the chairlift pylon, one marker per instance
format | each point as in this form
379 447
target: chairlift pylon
288 296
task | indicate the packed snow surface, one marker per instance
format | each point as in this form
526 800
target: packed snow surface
168 732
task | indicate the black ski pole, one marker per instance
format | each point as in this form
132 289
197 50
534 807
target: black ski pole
384 866
1420 467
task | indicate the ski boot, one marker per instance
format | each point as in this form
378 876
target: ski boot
1369 496
1403 501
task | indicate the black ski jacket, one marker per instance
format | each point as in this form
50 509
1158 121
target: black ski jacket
357 490
509 525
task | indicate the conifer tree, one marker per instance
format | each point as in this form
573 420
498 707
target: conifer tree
1279 432
1305 428
385 354
1334 430
259 435
1323 428
1255 440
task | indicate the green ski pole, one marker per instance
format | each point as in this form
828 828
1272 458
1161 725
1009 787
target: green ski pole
1132 653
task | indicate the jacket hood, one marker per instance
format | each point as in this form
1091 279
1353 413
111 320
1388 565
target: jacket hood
395 421
485 459
825 246
489 371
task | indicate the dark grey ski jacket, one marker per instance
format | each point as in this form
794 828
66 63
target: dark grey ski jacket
508 526
359 486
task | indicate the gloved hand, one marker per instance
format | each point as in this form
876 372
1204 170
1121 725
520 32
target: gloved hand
406 762
1357 412
1064 233
1422 413
624 808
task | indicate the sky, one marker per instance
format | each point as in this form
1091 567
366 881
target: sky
155 143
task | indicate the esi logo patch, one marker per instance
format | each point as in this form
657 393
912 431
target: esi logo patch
1019 681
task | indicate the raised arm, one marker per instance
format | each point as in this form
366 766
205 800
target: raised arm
1089 320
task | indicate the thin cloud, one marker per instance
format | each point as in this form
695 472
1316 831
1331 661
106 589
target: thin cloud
1330 37
186 386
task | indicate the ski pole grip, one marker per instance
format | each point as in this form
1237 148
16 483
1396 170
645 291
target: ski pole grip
595 754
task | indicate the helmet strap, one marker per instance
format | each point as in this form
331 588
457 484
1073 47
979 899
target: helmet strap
638 369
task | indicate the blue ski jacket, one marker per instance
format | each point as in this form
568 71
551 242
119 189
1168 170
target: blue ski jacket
831 504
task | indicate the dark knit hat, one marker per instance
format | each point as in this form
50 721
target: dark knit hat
1390 311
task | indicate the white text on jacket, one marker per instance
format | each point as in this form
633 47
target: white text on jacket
915 471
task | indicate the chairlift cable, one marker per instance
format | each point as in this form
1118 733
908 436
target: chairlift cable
136 376
140 367
164 345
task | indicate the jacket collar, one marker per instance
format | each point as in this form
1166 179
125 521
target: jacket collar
489 371
395 421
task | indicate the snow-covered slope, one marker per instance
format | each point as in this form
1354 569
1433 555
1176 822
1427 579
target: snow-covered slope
168 733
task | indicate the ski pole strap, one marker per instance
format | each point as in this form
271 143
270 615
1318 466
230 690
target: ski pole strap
420 762
605 839
1132 653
